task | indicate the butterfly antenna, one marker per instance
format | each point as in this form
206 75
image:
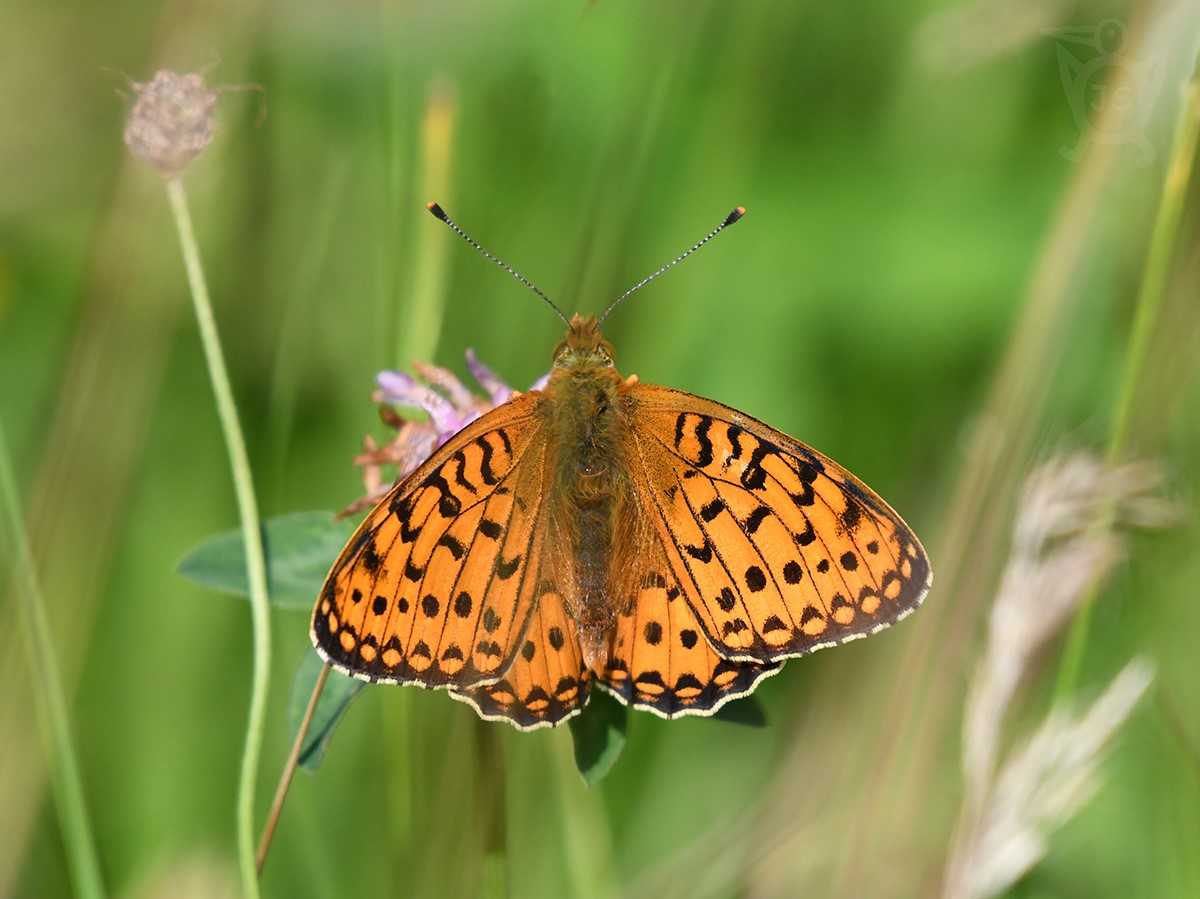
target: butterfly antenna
440 213
729 220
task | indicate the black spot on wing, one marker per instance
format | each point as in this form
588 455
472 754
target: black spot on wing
365 536
460 471
485 463
489 648
449 505
754 477
650 679
792 572
407 534
852 514
706 448
370 559
736 626
726 600
756 518
734 434
463 604
756 580
711 510
808 469
506 569
839 602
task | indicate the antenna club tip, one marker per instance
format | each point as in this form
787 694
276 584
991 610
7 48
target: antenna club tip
437 211
735 215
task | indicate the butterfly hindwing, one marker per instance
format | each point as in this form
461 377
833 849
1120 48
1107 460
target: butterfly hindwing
547 680
781 551
661 661
432 588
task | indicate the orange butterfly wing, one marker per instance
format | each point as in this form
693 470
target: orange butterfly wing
434 587
547 680
660 660
780 551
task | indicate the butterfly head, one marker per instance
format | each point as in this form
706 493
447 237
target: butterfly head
583 349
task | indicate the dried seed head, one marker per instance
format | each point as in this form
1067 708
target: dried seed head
172 121
1067 538
1060 551
1041 787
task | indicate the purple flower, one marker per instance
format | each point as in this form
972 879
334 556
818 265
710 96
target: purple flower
450 404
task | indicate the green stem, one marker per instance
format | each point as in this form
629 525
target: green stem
1149 302
49 698
421 324
289 771
251 535
1158 260
490 797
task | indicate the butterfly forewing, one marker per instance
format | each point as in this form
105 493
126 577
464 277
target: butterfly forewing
780 550
432 589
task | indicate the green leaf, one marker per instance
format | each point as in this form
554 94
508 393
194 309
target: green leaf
300 548
747 711
336 697
599 735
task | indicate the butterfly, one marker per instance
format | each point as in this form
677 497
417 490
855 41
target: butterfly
605 533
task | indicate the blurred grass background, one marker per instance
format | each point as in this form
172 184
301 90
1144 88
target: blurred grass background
925 289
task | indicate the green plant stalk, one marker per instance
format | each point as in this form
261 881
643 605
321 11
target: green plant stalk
1159 255
1158 262
256 569
289 770
420 327
490 796
49 699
